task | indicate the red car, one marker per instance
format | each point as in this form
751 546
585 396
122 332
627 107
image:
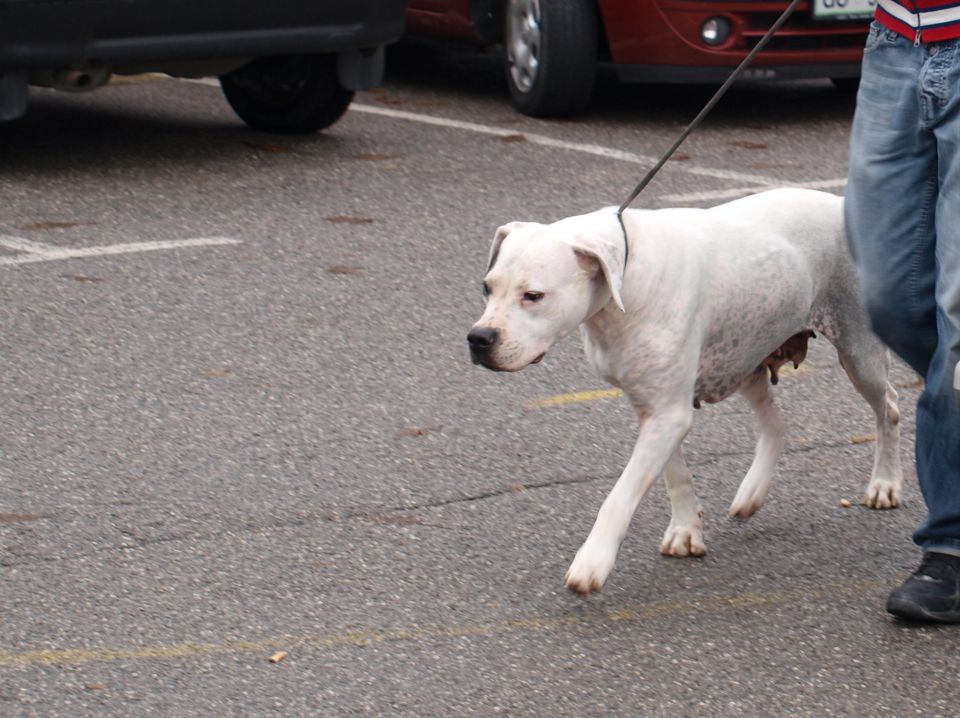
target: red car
552 47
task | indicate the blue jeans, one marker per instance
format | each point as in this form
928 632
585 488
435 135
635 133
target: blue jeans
903 221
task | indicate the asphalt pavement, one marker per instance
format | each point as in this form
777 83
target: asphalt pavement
240 424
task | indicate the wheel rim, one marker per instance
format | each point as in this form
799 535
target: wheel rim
275 81
523 42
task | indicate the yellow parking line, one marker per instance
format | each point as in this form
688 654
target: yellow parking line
578 397
575 398
787 370
704 605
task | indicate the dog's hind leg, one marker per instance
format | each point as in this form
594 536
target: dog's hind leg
868 368
755 485
684 535
843 320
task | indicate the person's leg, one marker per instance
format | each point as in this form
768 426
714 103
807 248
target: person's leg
890 200
903 218
938 413
956 382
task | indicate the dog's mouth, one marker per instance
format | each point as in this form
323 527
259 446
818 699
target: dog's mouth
486 361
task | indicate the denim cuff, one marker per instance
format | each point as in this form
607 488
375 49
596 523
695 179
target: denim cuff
948 547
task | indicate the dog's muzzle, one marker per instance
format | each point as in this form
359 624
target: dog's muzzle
481 341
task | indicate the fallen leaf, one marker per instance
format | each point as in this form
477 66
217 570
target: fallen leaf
681 158
846 503
266 147
517 488
374 157
865 439
750 145
278 656
344 269
50 225
414 431
138 79
225 371
346 219
915 384
513 138
95 686
81 278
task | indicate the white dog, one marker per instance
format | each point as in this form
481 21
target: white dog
690 306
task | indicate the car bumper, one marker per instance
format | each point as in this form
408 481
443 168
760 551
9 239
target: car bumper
115 32
671 41
719 74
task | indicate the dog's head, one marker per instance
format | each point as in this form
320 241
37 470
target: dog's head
543 281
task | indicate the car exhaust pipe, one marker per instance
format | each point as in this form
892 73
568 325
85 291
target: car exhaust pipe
73 79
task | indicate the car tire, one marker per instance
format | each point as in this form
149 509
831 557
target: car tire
550 55
287 94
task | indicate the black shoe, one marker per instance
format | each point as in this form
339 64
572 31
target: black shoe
932 593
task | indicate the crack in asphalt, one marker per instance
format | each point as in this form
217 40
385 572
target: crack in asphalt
136 541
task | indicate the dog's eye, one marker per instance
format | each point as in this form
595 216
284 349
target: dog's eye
532 297
485 288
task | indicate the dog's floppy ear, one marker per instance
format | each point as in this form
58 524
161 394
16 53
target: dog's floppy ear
610 255
498 238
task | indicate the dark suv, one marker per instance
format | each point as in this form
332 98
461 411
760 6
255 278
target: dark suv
284 65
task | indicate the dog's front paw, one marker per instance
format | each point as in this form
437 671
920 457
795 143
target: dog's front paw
882 494
684 539
590 568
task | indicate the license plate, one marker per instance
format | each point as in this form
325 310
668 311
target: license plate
843 9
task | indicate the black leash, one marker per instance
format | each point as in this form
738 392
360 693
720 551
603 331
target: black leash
734 76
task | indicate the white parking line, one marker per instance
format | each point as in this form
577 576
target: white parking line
754 182
545 141
19 244
35 252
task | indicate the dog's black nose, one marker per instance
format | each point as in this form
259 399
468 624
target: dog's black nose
482 339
